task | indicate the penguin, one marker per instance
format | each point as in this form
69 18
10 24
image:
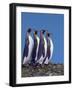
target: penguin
29 43
35 48
49 48
42 48
38 40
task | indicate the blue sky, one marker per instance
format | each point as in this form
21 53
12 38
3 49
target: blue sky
53 23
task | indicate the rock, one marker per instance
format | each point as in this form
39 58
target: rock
44 70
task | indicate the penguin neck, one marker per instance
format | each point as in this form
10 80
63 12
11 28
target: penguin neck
41 36
28 35
35 36
44 37
49 38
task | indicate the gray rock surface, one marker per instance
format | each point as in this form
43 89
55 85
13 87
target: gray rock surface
42 70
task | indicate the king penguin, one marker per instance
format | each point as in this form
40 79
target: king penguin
49 48
35 48
29 43
42 48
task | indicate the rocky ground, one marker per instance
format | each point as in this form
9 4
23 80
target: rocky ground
44 70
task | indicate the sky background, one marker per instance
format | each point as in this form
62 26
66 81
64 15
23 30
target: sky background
53 23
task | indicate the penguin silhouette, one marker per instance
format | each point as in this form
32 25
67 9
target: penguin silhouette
49 48
35 48
28 48
42 47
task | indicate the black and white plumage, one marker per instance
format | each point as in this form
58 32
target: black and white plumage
35 48
29 43
49 49
42 48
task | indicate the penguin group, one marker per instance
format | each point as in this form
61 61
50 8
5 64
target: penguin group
37 49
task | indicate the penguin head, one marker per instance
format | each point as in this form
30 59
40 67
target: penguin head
29 30
35 33
48 34
43 31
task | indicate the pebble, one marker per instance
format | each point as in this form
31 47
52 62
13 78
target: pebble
48 70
